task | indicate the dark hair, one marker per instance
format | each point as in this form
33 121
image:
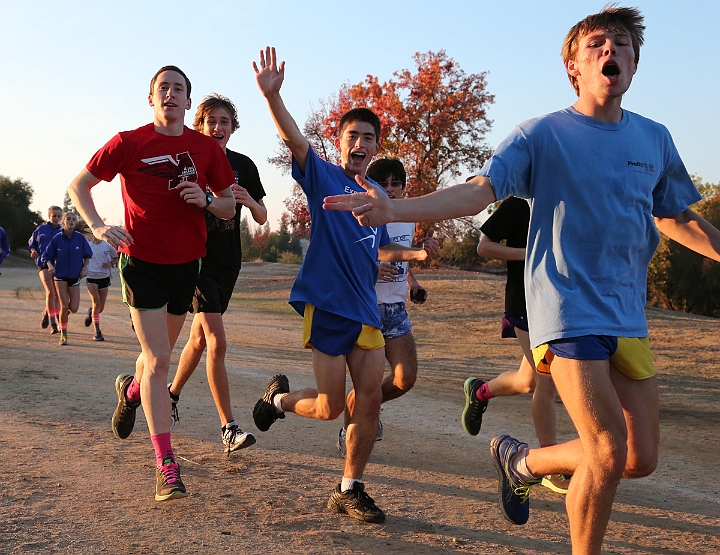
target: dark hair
208 104
360 114
171 68
611 18
383 168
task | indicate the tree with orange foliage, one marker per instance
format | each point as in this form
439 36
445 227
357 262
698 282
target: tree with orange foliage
434 121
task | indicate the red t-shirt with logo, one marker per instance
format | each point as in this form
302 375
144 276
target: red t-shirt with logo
165 229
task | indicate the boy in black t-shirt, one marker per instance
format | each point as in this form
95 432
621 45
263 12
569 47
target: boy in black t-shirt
216 117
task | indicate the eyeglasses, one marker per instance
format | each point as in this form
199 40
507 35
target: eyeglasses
385 184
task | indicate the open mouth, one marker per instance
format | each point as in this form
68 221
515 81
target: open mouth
169 105
357 156
610 69
218 136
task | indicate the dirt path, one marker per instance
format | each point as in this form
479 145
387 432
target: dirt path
67 485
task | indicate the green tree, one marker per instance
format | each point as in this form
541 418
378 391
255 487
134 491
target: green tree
68 205
15 215
249 253
680 279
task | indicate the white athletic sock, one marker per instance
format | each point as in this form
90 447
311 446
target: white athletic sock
520 467
348 483
277 402
230 424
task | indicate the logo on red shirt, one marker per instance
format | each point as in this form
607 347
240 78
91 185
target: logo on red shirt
174 170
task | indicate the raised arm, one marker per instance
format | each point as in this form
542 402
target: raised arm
269 78
79 191
375 208
693 231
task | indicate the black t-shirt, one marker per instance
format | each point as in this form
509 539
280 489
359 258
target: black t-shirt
223 236
510 222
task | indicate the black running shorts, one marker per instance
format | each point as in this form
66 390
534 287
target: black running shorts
214 288
148 286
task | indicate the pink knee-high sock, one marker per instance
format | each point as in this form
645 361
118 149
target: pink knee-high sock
132 393
484 392
163 448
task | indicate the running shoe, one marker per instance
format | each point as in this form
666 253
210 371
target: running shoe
558 483
63 339
169 485
513 492
234 438
98 336
355 503
45 322
474 407
88 318
54 329
175 414
341 442
343 433
264 413
123 419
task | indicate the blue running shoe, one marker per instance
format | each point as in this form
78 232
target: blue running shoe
513 492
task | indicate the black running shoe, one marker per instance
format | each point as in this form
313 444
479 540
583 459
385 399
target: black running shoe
54 329
98 336
264 413
474 407
123 419
168 484
88 318
355 503
45 322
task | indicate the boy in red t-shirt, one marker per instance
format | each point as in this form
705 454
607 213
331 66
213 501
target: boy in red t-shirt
164 169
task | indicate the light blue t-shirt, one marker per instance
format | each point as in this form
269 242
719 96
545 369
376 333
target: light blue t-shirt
339 272
594 188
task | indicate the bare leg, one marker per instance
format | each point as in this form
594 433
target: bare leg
157 332
366 371
74 296
190 357
51 297
401 353
326 402
207 331
63 296
97 298
543 403
617 421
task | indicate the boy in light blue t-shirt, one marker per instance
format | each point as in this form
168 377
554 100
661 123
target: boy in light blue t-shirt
601 181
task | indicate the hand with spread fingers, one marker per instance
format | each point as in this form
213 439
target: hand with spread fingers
269 76
371 208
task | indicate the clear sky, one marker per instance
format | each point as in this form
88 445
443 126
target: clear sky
75 72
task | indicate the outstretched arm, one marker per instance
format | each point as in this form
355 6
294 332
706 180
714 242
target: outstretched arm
692 231
269 78
374 208
79 191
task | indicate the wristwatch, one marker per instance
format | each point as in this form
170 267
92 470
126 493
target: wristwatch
208 199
